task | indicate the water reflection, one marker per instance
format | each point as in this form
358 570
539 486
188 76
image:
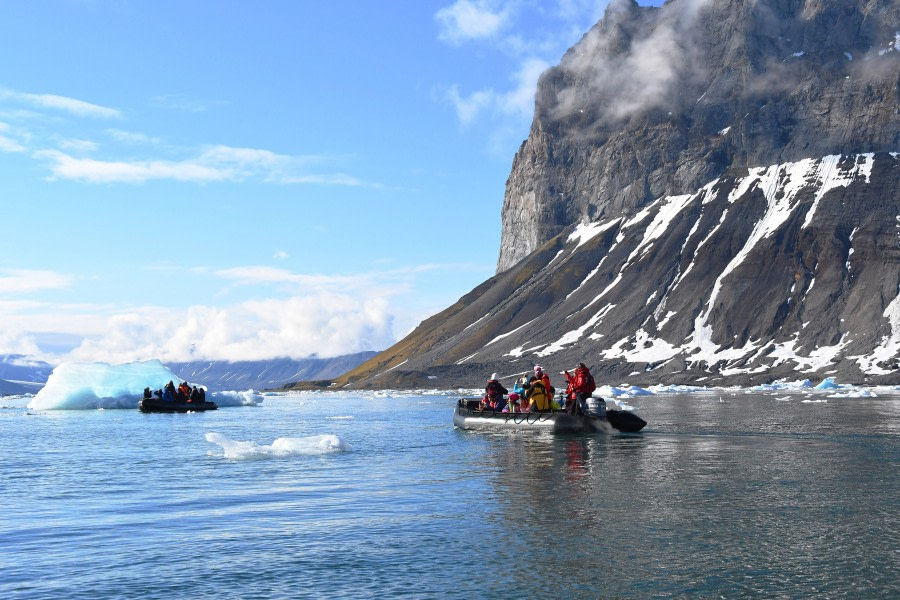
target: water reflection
733 497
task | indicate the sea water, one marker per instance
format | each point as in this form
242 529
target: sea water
725 494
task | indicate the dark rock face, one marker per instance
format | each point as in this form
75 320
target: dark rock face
710 193
659 101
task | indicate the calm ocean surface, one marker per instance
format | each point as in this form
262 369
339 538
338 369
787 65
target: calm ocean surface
724 495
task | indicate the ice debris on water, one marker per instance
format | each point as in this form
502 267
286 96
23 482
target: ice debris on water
280 448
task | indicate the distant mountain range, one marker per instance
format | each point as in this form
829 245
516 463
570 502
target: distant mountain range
268 374
709 194
20 375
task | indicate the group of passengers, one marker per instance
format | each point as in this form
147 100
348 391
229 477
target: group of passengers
533 393
183 393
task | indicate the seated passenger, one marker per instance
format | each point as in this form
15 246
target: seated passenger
540 374
537 395
524 405
520 384
147 394
513 404
493 397
195 395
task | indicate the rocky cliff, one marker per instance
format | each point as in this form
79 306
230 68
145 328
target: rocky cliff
708 194
660 101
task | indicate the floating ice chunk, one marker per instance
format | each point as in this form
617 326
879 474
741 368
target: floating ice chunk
782 385
234 398
675 389
79 386
625 390
618 404
854 394
827 384
281 447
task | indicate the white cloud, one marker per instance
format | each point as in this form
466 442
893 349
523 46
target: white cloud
281 255
214 163
641 77
470 20
327 325
78 145
303 314
517 102
131 137
101 171
10 145
20 281
63 103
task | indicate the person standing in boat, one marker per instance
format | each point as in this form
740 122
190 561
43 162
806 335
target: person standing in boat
580 387
169 392
494 392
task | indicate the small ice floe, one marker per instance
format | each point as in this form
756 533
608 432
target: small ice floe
783 399
629 391
236 398
783 385
814 401
854 394
618 404
280 448
341 418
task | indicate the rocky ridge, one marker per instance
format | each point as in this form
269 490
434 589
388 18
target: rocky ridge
708 194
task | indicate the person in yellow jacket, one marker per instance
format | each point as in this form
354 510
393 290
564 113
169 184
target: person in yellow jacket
538 395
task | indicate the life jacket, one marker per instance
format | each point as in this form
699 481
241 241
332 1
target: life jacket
540 399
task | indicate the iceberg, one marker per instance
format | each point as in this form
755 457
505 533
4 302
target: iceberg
80 386
827 384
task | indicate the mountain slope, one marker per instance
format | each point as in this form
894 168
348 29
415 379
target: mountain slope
761 274
708 194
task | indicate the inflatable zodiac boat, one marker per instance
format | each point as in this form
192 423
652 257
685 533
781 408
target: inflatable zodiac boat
598 419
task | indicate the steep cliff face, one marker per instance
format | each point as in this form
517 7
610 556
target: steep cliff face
785 271
657 101
710 193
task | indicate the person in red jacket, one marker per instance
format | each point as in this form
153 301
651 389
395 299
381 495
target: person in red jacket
493 396
580 387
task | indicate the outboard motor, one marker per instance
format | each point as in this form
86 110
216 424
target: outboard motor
596 407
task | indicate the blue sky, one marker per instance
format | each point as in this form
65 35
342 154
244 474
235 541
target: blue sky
234 180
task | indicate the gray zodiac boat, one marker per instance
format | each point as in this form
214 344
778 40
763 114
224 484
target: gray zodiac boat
598 419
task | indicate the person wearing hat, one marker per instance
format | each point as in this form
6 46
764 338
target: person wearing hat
493 396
